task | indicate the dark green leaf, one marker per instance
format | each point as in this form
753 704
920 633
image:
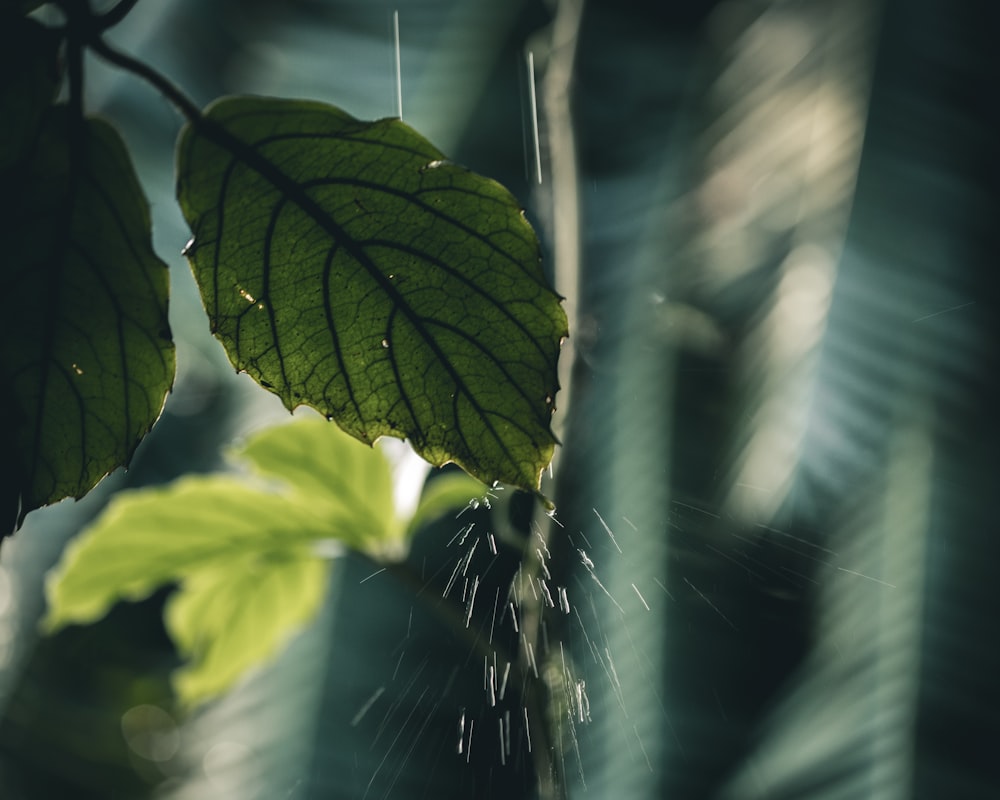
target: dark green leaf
85 349
29 77
347 266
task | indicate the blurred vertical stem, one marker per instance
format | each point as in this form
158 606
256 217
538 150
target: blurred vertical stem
564 195
564 218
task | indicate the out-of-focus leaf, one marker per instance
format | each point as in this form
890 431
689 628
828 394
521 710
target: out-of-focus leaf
86 354
345 481
447 493
348 266
151 537
246 551
29 77
231 618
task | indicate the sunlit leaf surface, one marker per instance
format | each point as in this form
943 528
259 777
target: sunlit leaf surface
249 553
85 348
348 266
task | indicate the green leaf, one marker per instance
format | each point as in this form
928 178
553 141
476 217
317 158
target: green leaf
86 354
29 78
347 482
443 495
348 266
247 552
229 619
152 537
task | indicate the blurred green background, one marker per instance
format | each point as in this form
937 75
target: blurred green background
774 223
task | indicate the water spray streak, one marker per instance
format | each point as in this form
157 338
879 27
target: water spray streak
399 69
607 528
641 598
710 604
367 706
534 116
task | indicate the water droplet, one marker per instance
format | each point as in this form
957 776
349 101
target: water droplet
385 343
188 249
77 370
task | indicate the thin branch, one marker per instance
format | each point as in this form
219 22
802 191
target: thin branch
181 101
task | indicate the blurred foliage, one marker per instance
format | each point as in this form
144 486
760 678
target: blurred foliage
783 409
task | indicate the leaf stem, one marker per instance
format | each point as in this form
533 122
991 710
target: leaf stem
563 197
164 86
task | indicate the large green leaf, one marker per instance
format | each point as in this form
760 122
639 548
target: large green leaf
85 349
249 552
348 266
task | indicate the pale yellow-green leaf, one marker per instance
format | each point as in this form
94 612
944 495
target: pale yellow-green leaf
151 537
230 618
246 551
344 479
